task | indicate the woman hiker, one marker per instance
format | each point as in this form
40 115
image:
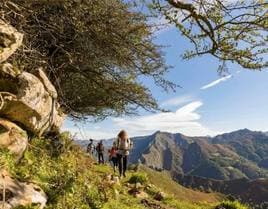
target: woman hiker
123 145
113 156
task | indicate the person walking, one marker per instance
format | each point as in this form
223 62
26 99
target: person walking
100 150
123 145
90 147
113 156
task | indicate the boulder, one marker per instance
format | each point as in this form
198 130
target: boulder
159 196
141 195
15 193
116 180
150 204
138 193
29 100
13 138
10 40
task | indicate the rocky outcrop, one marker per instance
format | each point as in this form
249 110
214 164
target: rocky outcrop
15 193
29 100
28 103
26 99
13 138
10 41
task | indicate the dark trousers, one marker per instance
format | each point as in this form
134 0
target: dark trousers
100 156
115 162
122 163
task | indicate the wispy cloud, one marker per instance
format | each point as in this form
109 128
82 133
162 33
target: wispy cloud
176 101
216 82
185 120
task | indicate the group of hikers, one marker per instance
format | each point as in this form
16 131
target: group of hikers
118 153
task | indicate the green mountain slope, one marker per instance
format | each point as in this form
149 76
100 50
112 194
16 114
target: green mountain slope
240 154
72 180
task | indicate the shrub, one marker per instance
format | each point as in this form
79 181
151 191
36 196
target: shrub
138 178
232 205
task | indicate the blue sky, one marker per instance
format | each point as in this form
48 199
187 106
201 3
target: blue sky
207 104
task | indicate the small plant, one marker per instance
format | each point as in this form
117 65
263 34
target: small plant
232 205
138 178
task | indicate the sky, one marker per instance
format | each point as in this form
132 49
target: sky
206 104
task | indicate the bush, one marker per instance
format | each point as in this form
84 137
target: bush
138 178
232 205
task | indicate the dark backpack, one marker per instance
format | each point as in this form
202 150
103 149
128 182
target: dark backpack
100 148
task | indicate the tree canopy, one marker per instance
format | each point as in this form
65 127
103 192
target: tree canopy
230 30
94 52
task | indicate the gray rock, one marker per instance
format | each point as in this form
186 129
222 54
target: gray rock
10 40
20 193
13 138
29 100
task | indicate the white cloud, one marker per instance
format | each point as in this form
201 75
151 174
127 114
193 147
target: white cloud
185 120
216 82
176 101
86 134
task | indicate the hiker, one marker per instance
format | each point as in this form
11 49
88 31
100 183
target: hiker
100 150
90 147
113 156
123 145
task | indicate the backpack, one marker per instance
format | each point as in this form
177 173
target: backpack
100 147
121 145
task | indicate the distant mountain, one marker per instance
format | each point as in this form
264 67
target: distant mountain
235 155
240 154
233 163
253 192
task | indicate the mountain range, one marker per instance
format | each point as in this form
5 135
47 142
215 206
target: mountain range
235 155
233 163
229 156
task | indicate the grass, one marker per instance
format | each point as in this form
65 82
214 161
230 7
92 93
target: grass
72 180
179 192
141 178
233 205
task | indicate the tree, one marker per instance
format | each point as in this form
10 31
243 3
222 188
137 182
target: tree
94 52
235 31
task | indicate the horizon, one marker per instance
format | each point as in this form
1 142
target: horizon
106 139
208 103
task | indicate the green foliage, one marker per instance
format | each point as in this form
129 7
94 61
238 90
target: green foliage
94 52
186 205
232 205
7 161
64 172
231 31
138 178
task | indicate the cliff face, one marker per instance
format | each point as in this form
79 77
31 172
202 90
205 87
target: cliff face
28 104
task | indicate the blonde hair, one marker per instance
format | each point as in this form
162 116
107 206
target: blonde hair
122 133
